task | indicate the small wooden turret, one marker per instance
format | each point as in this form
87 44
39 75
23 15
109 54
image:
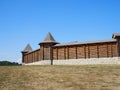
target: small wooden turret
26 50
46 47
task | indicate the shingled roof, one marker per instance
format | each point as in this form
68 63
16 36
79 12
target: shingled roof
27 48
88 42
49 39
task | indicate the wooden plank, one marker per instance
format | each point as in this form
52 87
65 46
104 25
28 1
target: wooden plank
64 52
51 54
118 47
76 52
97 51
85 51
111 51
68 52
107 50
88 51
43 54
33 56
57 53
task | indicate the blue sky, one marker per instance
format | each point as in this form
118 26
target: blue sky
28 21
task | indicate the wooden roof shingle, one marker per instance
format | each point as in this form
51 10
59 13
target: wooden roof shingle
28 48
49 39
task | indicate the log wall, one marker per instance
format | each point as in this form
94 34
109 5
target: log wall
100 50
85 51
32 56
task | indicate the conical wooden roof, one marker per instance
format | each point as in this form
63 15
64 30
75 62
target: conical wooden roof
49 39
27 48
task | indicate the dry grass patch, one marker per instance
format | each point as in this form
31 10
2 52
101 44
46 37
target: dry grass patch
88 77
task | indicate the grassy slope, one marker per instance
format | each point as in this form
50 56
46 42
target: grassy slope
92 77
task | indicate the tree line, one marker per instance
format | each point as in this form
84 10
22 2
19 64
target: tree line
8 63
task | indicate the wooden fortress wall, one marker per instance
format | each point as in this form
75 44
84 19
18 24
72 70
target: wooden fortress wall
95 50
85 51
32 56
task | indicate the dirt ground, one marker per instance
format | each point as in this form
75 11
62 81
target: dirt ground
85 77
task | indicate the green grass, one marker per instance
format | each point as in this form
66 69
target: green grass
85 77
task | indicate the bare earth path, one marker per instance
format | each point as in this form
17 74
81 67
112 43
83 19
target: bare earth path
88 77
